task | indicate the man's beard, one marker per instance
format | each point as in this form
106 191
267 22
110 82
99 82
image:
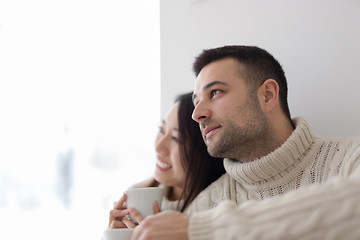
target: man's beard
239 139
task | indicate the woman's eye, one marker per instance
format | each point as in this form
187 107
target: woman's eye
161 130
175 139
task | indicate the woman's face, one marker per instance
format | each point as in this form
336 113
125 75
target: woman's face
168 165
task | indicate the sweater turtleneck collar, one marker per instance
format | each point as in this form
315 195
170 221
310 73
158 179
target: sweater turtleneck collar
271 165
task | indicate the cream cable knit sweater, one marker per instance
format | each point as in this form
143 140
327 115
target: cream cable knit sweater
309 188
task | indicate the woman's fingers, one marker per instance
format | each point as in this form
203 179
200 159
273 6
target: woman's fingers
136 215
156 207
118 218
119 210
114 213
129 223
117 214
121 203
116 223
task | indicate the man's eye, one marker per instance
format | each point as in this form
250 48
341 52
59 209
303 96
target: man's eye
214 92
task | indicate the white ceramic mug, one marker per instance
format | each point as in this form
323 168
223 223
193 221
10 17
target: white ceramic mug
118 234
142 199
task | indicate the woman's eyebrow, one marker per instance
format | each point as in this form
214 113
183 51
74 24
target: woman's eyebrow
164 123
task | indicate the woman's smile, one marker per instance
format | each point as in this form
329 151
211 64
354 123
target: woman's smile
162 166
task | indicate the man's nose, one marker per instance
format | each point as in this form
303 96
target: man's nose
200 113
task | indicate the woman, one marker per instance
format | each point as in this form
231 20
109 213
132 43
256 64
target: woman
183 164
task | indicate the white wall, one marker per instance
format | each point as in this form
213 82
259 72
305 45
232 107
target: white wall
317 42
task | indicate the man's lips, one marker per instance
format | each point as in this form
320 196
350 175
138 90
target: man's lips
209 129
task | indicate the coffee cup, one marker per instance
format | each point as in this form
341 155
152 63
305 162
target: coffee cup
142 199
118 234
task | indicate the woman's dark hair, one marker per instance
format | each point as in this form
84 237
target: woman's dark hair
201 169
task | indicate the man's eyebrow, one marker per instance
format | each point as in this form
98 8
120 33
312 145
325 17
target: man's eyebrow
209 85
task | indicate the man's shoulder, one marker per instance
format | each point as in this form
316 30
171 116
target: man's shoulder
225 178
210 196
351 146
340 141
346 146
344 151
218 183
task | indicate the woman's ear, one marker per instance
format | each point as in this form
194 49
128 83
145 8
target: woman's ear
269 95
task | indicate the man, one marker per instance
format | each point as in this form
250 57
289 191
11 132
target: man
281 182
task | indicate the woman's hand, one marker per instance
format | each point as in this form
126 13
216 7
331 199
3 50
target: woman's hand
118 215
138 217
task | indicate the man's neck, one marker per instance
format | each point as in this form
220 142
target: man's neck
277 136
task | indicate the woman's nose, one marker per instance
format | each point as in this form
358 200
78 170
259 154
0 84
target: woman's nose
161 144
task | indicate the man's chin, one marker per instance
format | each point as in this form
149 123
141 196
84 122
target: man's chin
212 151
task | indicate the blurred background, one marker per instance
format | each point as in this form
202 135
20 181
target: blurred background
79 110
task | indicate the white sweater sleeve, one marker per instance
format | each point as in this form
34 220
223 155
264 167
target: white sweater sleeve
319 211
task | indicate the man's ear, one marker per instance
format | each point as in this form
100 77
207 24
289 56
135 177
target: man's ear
269 95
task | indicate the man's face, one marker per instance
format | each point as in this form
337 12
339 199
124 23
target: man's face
230 117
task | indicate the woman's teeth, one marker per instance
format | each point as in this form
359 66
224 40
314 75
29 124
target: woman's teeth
162 165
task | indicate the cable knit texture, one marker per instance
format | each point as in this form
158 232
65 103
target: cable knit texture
309 188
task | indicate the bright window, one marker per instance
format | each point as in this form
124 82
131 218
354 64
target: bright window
79 110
